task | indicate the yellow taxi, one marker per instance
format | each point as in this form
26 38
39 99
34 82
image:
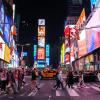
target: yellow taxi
48 73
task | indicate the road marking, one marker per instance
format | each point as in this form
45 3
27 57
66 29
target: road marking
57 93
96 88
30 94
72 92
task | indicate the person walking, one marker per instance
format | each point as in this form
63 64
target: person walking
70 80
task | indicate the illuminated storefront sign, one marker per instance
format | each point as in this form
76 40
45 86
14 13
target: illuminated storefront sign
41 53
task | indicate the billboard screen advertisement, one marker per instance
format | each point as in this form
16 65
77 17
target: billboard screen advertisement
41 22
62 53
82 44
1 18
7 29
47 50
7 54
47 61
41 31
41 41
81 19
93 40
2 49
41 53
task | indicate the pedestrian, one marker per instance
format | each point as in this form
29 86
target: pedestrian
70 79
81 79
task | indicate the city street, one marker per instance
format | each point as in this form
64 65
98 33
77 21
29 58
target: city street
46 92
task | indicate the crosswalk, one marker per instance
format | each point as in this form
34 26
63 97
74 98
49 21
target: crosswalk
72 92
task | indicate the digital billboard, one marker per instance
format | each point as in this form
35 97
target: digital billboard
62 53
81 19
47 50
41 22
41 53
35 52
93 32
48 61
41 31
7 29
93 39
41 41
82 44
7 54
2 49
1 18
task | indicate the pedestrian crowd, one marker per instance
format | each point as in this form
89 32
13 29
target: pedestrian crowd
11 81
70 79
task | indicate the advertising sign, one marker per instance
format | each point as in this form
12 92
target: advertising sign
2 49
81 19
62 53
41 22
41 53
41 41
47 61
82 44
1 18
7 29
41 31
47 50
7 54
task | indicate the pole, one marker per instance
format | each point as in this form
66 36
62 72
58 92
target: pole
22 51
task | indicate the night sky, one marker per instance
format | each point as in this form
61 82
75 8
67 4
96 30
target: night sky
53 12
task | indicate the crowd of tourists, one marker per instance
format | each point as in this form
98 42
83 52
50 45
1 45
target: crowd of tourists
11 81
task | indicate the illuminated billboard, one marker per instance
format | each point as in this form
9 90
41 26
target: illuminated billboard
48 61
1 18
41 41
7 29
7 54
35 52
82 44
93 31
47 50
81 19
41 53
41 31
41 22
2 49
62 53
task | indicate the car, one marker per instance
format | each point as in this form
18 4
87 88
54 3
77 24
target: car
48 73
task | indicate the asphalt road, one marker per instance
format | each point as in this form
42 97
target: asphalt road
46 92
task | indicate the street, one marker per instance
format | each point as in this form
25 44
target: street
46 92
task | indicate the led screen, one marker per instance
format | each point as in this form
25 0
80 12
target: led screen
41 22
7 29
1 18
41 41
2 49
82 44
93 39
47 50
47 60
41 31
41 53
7 54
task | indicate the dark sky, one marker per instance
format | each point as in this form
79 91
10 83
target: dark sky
53 12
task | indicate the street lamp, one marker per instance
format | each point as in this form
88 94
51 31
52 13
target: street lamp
22 46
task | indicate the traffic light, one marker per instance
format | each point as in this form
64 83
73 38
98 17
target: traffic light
0 45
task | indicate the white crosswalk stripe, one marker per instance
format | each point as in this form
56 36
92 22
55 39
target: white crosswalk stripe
95 88
58 93
72 92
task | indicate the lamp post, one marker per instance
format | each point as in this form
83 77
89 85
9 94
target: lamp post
22 47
